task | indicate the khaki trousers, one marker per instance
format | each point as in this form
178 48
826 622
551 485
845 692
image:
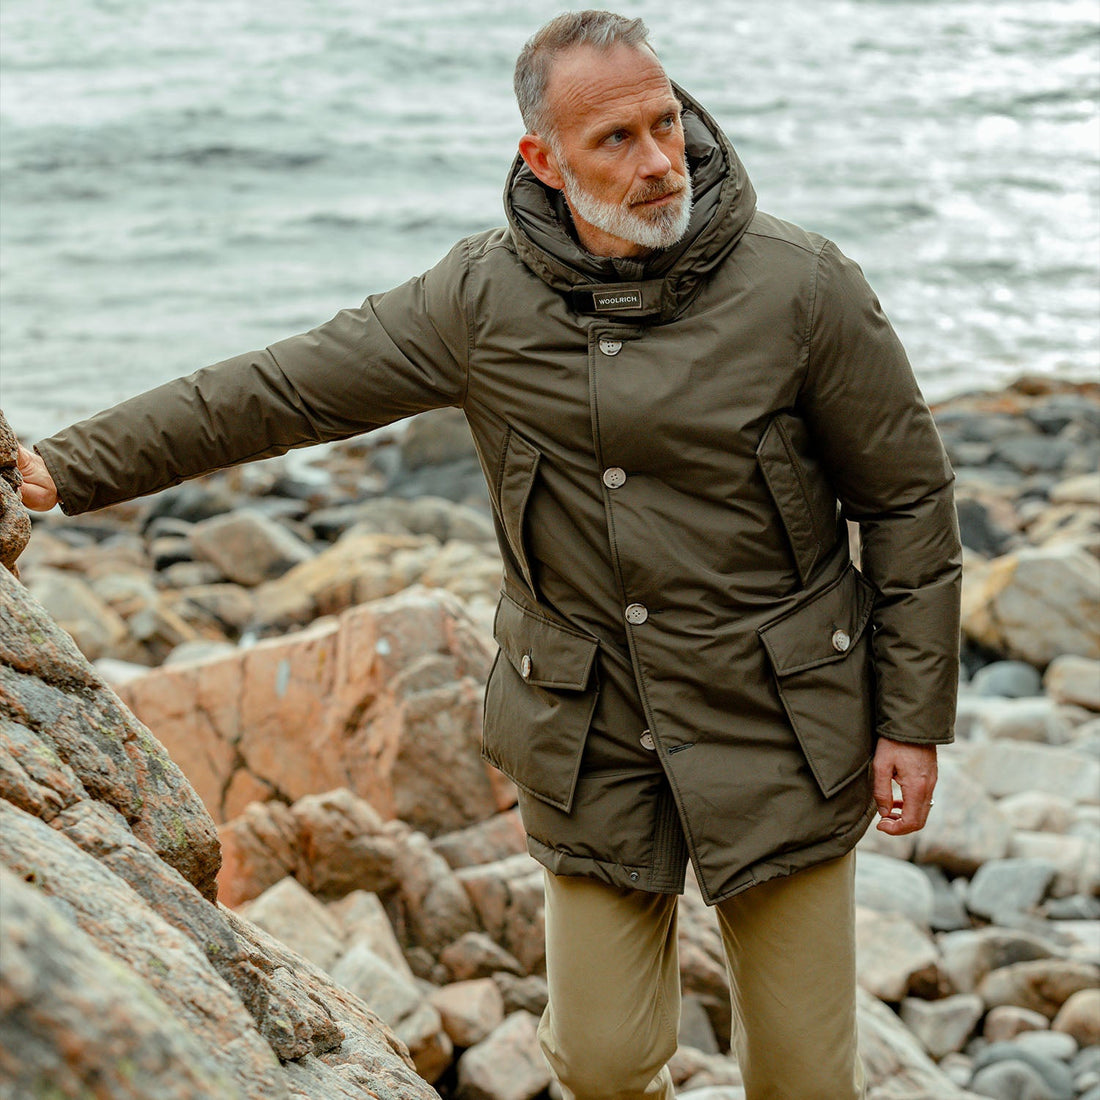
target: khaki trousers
612 970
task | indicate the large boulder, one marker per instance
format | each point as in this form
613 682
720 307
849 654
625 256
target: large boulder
119 968
1036 604
386 699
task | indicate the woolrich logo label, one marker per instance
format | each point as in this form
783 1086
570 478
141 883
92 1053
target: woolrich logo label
608 300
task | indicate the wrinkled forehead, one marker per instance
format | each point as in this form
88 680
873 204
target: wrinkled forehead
587 83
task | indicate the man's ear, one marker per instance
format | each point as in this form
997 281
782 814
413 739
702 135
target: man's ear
540 158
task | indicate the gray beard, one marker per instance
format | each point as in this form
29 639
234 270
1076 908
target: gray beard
658 228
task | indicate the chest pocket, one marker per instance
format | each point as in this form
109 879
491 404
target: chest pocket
800 490
539 702
519 464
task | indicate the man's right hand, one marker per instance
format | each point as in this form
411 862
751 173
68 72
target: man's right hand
38 490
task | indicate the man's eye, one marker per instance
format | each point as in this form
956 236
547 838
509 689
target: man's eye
668 122
617 138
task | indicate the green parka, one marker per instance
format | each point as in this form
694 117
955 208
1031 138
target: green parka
689 663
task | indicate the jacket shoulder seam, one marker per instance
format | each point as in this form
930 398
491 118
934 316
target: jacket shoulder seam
811 310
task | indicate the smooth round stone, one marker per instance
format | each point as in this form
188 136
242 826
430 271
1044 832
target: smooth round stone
1010 1081
1008 679
1048 1044
1054 1075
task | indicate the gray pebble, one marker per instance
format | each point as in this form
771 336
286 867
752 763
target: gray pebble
1010 679
1010 1081
1055 1076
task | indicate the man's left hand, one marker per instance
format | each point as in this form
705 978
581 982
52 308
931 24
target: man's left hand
913 768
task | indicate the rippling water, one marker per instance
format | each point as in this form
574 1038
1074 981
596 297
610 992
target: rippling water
180 182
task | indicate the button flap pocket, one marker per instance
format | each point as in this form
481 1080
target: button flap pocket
544 653
822 629
821 657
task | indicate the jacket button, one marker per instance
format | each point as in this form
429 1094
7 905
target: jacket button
614 477
841 641
637 613
647 741
525 666
609 346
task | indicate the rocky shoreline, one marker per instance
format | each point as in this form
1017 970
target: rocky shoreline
309 641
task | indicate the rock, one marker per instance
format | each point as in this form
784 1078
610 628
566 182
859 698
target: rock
695 1027
1075 859
345 845
487 841
1008 679
429 1045
192 502
434 908
294 916
362 919
966 957
895 1064
1071 679
54 709
964 829
509 1065
225 607
1038 720
979 529
389 991
1007 1021
75 1014
948 905
1082 489
1009 767
1079 1016
1037 604
893 955
1048 1044
96 628
1011 1080
942 1026
337 704
1037 811
528 993
1055 1078
508 899
470 1010
440 519
1009 886
476 955
890 886
15 523
356 570
1043 985
248 547
188 574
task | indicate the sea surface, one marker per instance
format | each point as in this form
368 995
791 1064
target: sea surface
183 181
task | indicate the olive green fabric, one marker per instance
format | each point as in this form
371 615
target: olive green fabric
685 443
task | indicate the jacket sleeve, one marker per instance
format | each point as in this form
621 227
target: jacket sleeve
399 353
888 467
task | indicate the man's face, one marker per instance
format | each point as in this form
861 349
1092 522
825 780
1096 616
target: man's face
619 150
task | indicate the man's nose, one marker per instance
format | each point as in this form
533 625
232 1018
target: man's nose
655 162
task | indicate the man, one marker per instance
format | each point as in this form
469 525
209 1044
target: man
670 393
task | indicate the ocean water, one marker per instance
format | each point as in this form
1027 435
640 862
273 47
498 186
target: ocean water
180 182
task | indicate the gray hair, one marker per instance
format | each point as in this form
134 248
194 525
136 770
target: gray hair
600 29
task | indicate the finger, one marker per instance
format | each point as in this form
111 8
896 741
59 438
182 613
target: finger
915 802
883 790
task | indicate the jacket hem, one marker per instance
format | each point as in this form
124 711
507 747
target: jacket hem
803 859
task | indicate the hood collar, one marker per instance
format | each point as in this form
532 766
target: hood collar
660 286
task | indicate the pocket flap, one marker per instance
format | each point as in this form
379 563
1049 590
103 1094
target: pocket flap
543 652
821 630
